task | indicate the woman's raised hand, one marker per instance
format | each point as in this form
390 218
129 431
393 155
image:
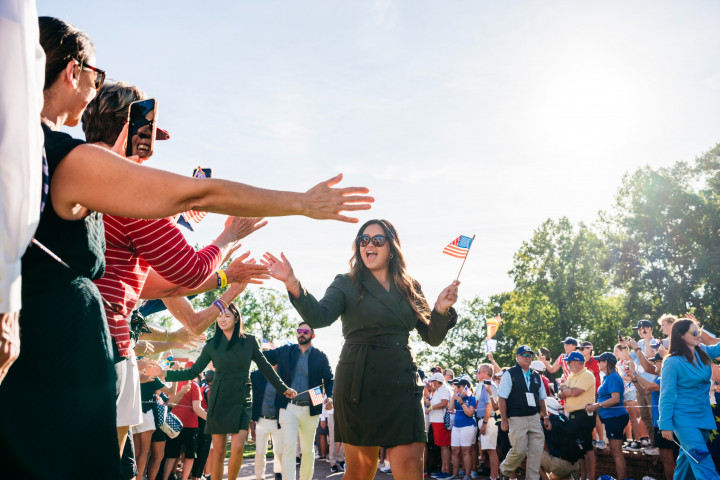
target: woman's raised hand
279 268
150 368
290 393
241 271
447 297
325 203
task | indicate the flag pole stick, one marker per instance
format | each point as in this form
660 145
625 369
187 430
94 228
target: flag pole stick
686 452
466 255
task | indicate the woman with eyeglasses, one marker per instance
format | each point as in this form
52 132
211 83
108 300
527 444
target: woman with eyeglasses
684 406
62 316
230 399
378 392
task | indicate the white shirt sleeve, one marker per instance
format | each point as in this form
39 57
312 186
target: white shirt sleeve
22 75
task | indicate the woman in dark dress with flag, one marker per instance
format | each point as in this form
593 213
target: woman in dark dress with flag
378 392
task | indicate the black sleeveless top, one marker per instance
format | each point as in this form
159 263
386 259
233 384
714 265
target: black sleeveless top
64 374
80 243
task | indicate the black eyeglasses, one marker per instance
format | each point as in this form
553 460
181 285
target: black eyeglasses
377 240
99 78
303 331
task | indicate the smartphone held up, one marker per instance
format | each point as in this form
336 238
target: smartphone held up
142 129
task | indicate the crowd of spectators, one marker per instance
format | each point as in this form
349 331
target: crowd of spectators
571 406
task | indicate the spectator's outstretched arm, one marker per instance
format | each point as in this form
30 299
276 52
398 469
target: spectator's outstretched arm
198 322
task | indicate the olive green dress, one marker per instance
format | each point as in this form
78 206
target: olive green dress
230 397
378 392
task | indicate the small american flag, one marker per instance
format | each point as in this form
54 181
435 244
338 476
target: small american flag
192 214
267 345
316 396
459 247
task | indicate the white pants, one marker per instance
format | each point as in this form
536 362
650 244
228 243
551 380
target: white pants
296 421
264 429
334 456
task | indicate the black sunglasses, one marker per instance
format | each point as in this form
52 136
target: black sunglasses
377 240
99 78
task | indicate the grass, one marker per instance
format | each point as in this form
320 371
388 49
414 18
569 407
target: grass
249 451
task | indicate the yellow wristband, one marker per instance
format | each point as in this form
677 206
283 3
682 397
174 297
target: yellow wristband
223 278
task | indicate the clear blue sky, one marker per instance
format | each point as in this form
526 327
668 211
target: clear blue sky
464 117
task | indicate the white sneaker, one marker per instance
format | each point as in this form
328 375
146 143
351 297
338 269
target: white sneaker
648 478
651 451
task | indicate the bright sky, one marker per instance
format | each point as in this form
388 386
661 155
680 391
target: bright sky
465 117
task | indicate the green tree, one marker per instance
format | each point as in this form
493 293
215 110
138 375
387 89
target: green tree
562 288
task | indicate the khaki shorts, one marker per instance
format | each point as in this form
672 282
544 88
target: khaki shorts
558 466
489 440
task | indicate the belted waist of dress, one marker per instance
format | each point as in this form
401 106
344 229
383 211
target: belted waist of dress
392 341
397 340
232 376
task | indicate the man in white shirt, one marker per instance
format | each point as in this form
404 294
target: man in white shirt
22 75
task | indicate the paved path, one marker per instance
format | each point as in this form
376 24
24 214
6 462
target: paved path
322 471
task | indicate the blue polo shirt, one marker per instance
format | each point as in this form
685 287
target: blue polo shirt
611 383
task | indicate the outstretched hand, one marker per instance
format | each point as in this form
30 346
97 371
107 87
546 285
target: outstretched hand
238 228
241 271
323 202
278 268
447 297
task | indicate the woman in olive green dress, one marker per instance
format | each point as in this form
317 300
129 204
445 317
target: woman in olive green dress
378 392
230 397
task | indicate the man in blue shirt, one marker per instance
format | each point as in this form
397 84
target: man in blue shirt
522 402
304 367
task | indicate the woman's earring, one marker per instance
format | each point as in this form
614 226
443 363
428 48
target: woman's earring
391 256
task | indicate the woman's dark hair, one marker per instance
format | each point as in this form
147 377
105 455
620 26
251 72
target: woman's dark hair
408 287
62 42
611 366
238 330
106 114
679 348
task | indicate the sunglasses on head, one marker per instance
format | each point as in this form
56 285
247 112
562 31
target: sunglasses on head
377 240
99 78
233 309
303 331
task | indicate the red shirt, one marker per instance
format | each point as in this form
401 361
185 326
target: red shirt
183 410
593 366
564 366
132 248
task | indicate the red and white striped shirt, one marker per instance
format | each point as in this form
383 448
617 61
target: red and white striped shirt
132 248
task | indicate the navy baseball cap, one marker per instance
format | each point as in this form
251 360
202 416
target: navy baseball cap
523 349
463 381
575 357
606 357
643 324
586 345
570 341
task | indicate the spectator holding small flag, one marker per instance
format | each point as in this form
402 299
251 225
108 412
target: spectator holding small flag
306 369
380 305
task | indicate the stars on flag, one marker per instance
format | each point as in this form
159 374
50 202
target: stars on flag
459 247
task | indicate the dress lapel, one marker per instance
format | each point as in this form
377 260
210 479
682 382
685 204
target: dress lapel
374 288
